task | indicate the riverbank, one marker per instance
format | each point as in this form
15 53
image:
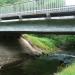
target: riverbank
36 59
64 44
40 43
69 70
51 43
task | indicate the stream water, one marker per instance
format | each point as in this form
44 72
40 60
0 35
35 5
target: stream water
33 67
43 65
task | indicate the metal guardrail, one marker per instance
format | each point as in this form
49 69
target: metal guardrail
34 7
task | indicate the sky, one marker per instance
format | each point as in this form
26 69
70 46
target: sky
70 2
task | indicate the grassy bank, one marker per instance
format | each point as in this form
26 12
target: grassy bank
70 70
50 43
45 44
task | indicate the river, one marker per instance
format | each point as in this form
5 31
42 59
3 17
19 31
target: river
14 61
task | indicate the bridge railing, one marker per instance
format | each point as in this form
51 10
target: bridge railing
34 6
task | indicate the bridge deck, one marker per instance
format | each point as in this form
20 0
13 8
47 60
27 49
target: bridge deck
44 26
33 9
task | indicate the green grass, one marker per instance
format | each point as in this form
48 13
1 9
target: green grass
45 44
51 43
70 70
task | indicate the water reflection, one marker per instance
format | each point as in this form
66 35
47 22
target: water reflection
12 71
33 67
10 47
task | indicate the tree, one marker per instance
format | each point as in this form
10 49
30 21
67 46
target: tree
7 1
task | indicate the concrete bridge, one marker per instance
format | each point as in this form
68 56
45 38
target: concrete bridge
39 26
29 17
35 17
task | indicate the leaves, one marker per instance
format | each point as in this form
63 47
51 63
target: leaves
7 1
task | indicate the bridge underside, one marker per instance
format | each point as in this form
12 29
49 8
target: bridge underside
38 26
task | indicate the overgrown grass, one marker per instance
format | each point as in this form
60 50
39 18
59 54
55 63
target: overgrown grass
70 70
52 43
45 44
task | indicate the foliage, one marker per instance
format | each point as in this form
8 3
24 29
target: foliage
47 45
70 70
7 1
53 42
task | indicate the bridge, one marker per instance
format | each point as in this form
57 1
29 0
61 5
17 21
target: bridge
34 17
31 17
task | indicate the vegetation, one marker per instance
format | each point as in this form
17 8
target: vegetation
44 43
7 1
40 3
8 6
52 43
47 43
70 70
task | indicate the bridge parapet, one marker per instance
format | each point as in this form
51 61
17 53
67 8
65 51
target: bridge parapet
34 7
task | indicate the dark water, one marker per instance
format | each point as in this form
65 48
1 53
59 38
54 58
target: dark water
33 67
13 71
10 50
11 47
